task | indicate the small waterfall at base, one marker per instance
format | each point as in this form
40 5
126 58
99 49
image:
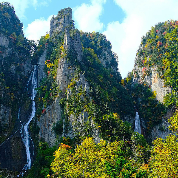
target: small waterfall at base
137 124
24 130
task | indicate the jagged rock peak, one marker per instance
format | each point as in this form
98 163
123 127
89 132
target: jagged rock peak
61 21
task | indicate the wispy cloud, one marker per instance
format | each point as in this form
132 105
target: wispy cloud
38 28
87 16
21 5
35 3
140 16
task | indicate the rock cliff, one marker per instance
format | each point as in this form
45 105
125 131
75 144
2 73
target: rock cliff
155 65
62 23
15 70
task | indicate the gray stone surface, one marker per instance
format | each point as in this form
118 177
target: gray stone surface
157 86
5 119
47 121
153 80
62 20
4 41
162 130
41 65
65 73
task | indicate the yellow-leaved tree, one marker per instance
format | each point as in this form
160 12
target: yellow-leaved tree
87 161
164 155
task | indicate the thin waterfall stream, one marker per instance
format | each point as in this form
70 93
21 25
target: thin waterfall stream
24 129
137 124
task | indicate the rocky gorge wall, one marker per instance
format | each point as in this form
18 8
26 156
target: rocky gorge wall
157 86
65 73
15 71
153 80
46 123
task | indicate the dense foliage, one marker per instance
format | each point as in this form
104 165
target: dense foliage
101 46
164 155
15 59
159 49
10 24
121 152
96 160
145 102
48 89
41 166
108 94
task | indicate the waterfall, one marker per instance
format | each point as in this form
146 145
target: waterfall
137 124
24 130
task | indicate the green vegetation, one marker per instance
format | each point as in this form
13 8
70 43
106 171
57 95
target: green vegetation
159 49
122 153
102 104
164 155
145 102
15 59
107 92
9 27
41 166
48 89
95 160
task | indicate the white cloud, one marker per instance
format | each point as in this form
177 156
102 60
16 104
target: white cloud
140 16
35 3
38 28
21 5
87 16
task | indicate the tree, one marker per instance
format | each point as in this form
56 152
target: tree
164 155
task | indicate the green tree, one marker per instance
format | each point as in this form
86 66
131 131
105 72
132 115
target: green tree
164 155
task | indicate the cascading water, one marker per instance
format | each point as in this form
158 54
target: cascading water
24 130
137 124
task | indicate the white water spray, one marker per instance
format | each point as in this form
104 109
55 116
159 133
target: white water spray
24 129
137 124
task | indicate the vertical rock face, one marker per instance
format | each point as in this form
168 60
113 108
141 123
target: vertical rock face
41 65
162 130
15 69
157 86
153 80
65 71
63 23
62 20
47 121
4 41
13 155
5 120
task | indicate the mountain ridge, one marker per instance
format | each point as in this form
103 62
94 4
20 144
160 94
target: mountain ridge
80 92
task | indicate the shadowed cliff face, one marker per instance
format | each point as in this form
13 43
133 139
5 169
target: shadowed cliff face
13 154
12 149
15 92
77 61
78 84
156 67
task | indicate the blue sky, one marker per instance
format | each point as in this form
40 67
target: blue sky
123 22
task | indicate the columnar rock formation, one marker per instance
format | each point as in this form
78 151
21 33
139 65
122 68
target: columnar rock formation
61 21
65 72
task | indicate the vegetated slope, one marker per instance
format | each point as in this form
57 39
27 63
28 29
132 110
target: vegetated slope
15 68
107 94
100 66
159 49
128 157
134 162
